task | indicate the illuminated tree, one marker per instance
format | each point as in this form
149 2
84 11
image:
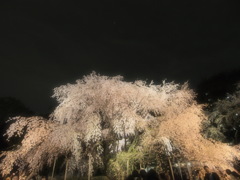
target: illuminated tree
43 142
10 107
102 107
184 132
101 114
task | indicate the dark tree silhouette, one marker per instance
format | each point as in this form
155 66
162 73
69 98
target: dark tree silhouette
224 121
218 86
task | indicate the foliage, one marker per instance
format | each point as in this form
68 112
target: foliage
10 107
185 133
99 110
43 141
106 109
224 119
125 162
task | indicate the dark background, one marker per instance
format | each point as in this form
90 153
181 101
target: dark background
44 44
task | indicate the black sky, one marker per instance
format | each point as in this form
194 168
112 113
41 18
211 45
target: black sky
44 44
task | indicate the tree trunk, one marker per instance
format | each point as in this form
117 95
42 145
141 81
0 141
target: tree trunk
180 170
66 169
54 165
127 167
123 176
140 164
89 167
30 176
171 169
189 172
235 137
125 139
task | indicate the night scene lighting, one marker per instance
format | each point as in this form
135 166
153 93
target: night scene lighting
119 90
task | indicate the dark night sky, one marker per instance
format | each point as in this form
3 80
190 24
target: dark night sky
44 44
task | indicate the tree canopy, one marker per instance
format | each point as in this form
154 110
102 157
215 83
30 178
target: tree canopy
224 119
98 109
